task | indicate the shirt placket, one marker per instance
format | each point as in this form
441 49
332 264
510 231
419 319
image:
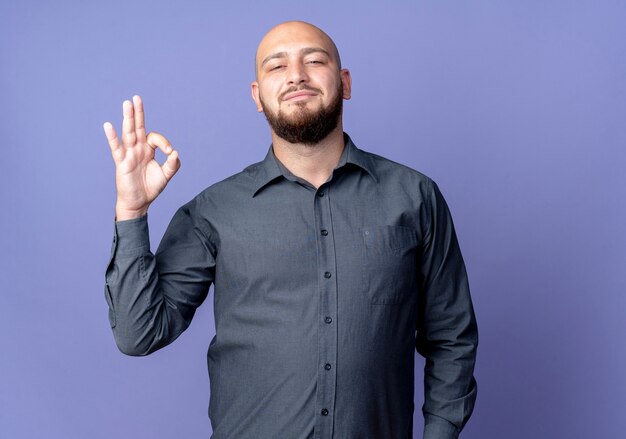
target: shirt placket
327 346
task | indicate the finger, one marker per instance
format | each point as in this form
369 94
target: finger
114 142
129 138
140 128
109 131
157 140
171 165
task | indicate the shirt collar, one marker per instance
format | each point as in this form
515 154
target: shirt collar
269 169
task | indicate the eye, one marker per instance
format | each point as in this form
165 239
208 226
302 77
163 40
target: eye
276 67
314 61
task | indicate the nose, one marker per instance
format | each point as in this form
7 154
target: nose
297 73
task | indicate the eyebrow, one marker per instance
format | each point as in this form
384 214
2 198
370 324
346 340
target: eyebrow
305 51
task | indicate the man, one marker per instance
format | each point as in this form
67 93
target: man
330 265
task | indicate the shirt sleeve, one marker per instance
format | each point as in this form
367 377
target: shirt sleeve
447 333
153 297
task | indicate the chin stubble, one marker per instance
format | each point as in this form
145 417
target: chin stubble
305 126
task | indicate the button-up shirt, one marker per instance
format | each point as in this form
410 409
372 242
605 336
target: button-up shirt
321 297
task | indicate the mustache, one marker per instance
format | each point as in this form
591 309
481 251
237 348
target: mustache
302 87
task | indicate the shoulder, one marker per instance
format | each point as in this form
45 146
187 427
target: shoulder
230 188
394 174
220 202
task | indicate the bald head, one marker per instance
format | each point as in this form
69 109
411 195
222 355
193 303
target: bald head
280 37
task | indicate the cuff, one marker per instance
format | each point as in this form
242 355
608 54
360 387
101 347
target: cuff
131 237
438 428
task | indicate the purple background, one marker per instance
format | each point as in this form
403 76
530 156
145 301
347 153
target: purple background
517 109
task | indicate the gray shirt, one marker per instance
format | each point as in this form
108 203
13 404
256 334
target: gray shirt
321 298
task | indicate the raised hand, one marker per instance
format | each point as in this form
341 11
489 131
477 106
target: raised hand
138 177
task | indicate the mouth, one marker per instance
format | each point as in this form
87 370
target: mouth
299 96
302 93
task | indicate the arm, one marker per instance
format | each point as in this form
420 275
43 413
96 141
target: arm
151 298
447 333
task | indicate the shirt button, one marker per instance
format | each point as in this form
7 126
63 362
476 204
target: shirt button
324 232
327 366
328 319
327 275
324 412
320 194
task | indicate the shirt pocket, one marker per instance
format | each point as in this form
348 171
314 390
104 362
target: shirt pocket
389 274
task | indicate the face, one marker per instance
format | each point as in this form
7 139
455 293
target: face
300 85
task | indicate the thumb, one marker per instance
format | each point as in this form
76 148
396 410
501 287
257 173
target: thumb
171 165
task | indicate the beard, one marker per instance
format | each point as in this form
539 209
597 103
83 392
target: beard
306 126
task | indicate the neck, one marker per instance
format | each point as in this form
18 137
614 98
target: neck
313 163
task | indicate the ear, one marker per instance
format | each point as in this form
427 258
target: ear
346 81
255 96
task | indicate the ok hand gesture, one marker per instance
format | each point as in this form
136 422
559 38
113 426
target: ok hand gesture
139 178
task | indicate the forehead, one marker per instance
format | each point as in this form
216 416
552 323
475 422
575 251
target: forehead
291 38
